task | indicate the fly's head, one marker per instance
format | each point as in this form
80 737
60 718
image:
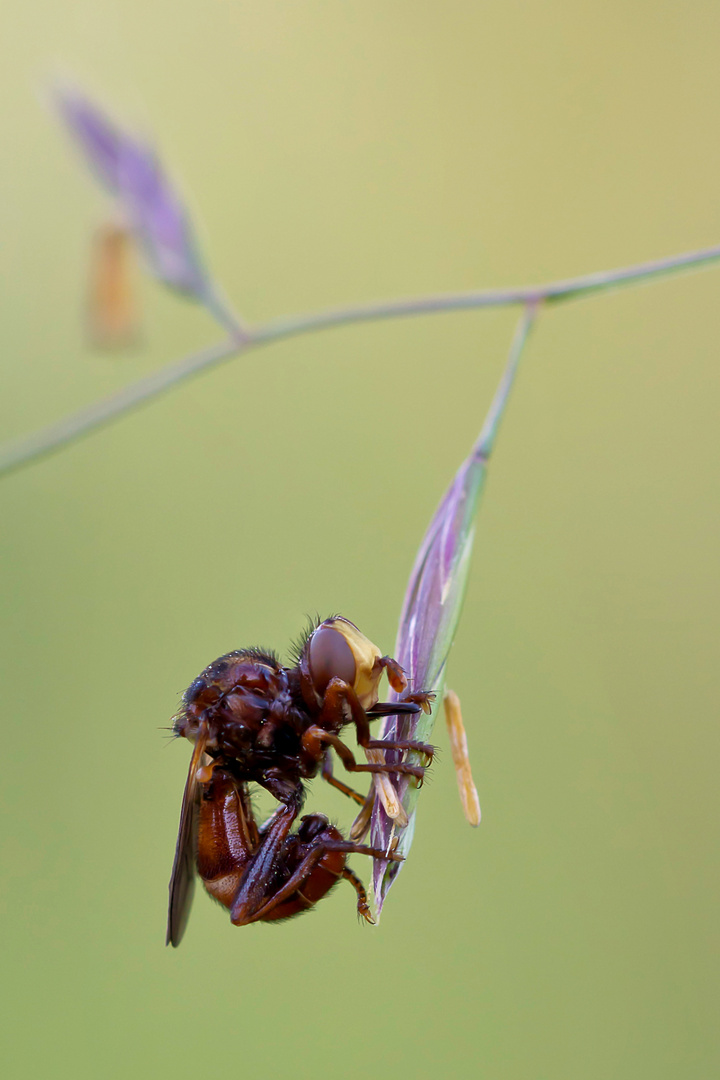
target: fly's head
337 649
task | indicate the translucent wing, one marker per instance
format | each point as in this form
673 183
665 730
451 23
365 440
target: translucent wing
182 879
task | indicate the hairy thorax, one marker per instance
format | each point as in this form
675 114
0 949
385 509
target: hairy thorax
252 710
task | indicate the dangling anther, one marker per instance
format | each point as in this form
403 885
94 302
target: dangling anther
361 824
461 758
113 318
386 791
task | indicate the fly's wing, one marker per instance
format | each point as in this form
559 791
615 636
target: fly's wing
182 879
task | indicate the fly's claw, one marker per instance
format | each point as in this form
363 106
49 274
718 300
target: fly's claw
422 698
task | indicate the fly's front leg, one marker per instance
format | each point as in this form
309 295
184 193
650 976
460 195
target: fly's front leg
340 695
395 673
411 704
316 739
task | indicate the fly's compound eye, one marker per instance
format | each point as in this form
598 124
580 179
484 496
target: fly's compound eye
330 656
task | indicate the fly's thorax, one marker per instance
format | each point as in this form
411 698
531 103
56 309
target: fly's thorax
232 697
253 668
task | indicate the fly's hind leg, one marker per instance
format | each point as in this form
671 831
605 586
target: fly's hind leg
363 908
254 884
269 872
303 873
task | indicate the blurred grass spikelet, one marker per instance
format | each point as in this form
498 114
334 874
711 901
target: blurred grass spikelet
131 172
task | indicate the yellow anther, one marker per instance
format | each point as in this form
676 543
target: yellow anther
461 758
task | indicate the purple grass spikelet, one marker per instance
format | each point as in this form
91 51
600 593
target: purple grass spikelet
430 616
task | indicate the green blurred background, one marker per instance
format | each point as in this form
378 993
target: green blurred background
339 152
